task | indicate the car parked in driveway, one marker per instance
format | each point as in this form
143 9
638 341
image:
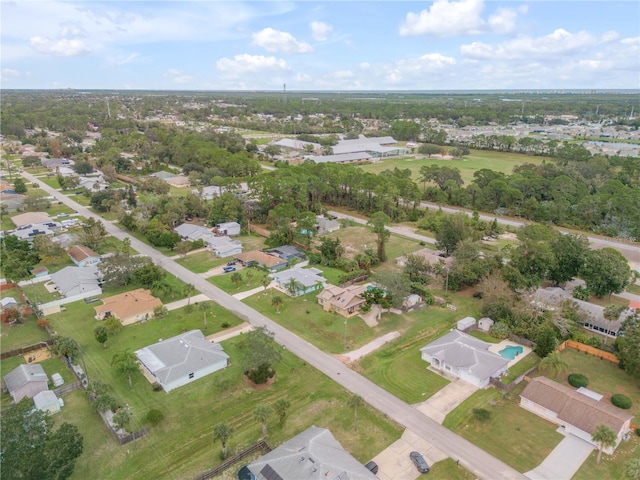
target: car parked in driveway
419 461
229 269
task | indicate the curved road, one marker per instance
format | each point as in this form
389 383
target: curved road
471 457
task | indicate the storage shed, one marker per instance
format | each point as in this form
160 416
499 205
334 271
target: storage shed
466 324
485 324
47 401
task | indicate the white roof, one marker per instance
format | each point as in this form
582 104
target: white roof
295 144
343 157
305 276
6 301
44 399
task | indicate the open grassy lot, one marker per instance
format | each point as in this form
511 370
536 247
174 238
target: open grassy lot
52 181
478 159
397 366
251 278
182 445
201 262
517 437
21 335
175 283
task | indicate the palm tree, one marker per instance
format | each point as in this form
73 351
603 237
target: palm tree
355 401
223 432
266 281
249 275
262 414
125 363
204 306
292 286
281 407
277 302
162 287
604 437
236 278
187 291
555 364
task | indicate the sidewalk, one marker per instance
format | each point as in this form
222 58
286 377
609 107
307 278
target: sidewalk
248 293
183 303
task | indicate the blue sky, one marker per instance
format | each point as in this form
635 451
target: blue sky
330 45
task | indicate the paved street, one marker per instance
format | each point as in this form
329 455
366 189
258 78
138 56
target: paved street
474 459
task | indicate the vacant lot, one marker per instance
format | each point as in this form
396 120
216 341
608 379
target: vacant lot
477 160
182 445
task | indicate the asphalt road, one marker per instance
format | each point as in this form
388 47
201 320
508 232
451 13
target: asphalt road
476 460
631 251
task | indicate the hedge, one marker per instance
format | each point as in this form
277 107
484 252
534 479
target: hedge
578 380
621 401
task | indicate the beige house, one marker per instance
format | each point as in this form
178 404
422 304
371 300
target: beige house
577 413
343 301
129 307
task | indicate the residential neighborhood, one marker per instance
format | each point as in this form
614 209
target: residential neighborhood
209 295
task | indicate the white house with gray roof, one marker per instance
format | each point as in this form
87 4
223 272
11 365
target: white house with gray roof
306 280
182 359
466 357
314 454
77 281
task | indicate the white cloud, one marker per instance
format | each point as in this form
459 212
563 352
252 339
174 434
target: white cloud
342 74
123 59
558 43
447 19
8 74
276 41
320 31
65 47
246 63
176 76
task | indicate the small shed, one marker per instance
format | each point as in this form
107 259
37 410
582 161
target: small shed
466 323
57 380
8 302
412 301
485 324
47 401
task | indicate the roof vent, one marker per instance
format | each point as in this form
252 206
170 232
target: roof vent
301 459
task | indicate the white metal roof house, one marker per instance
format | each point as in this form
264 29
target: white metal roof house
228 228
306 279
182 359
314 454
26 381
225 246
466 357
191 232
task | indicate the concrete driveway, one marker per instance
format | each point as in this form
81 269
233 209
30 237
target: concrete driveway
439 405
563 461
394 463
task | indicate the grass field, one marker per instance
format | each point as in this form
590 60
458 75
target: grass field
201 262
477 160
529 361
251 278
397 366
517 437
182 445
21 335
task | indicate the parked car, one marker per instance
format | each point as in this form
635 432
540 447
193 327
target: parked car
229 269
419 461
372 467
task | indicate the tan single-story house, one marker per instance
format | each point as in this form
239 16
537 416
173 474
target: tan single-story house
577 413
343 301
129 307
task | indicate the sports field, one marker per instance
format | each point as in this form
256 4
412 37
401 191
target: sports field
477 160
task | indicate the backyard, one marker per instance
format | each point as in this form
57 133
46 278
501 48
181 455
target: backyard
180 447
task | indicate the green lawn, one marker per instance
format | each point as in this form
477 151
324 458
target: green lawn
485 337
397 366
52 181
201 262
448 469
175 283
251 278
181 447
529 361
21 335
633 288
519 438
478 159
39 294
330 273
610 466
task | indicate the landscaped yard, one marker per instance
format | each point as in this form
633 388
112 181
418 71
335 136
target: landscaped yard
397 366
519 438
181 447
478 159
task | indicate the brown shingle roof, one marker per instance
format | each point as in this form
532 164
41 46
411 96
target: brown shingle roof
261 258
128 304
80 252
573 407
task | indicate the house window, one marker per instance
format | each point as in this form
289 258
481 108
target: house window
190 375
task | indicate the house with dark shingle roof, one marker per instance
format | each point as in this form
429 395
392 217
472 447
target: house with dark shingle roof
577 413
182 359
314 454
465 357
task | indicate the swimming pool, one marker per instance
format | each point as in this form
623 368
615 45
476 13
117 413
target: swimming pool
511 351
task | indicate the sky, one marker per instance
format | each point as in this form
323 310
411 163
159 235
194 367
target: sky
320 45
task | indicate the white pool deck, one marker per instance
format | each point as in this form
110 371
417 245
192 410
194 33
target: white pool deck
495 348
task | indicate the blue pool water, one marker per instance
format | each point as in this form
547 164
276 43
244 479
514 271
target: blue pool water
510 352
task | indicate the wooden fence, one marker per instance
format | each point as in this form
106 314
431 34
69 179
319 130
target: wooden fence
67 388
595 352
261 445
507 387
263 232
27 349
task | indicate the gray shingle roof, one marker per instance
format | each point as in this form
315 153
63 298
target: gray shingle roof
312 455
178 356
81 278
24 374
463 351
